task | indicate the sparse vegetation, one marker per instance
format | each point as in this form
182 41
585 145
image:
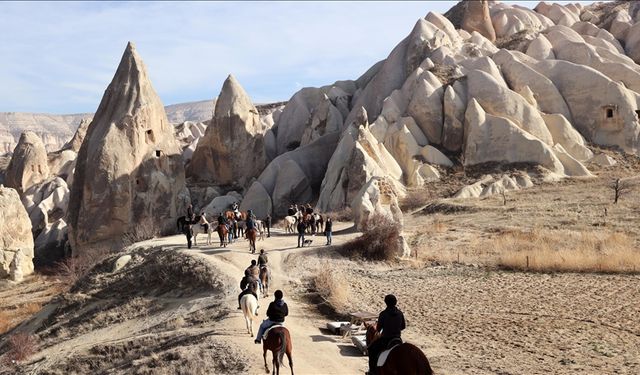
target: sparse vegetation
21 346
380 240
415 199
331 287
343 215
566 251
145 230
620 188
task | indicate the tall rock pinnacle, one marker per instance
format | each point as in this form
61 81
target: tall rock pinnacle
129 170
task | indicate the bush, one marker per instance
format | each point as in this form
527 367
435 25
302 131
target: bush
143 231
331 287
380 240
415 199
21 346
343 215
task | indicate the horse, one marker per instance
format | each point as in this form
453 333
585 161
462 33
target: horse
241 228
404 359
182 220
222 233
231 215
252 234
260 226
202 226
249 305
279 342
265 278
290 224
319 220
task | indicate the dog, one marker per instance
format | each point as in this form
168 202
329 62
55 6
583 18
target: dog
307 242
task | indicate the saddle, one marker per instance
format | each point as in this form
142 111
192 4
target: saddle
382 358
266 333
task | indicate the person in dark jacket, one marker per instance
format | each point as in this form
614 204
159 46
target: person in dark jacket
390 323
221 219
262 259
276 312
188 231
328 227
267 223
301 228
190 214
248 285
291 211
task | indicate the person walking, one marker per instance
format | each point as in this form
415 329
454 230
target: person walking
188 231
276 312
328 227
267 223
302 227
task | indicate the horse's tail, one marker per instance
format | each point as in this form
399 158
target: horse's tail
283 346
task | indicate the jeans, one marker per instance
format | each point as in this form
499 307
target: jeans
328 237
300 236
263 327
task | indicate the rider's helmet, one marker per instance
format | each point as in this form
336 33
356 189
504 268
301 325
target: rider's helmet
390 300
261 251
278 294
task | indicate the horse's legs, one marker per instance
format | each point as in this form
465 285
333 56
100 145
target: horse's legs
264 355
288 352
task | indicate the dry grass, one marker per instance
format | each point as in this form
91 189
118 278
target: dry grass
380 240
145 230
566 251
415 199
333 288
343 215
21 347
5 322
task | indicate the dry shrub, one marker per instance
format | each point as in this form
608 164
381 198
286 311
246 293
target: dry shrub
21 346
5 322
72 269
333 288
415 199
566 251
343 215
380 240
145 230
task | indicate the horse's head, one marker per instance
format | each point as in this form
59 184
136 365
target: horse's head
372 332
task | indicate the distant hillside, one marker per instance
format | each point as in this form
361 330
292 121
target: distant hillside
55 130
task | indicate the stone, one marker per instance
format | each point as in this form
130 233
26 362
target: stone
565 135
219 205
477 18
426 107
29 164
111 193
433 156
377 196
603 160
258 200
499 140
404 148
50 245
326 118
512 20
292 186
232 150
474 190
541 49
121 262
75 142
295 117
455 104
428 173
572 167
15 236
62 164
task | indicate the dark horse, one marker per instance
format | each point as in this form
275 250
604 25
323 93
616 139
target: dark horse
222 233
279 342
265 278
182 220
404 359
252 235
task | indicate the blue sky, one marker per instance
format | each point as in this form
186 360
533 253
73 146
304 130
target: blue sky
58 57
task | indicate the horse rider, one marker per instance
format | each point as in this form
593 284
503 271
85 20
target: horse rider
267 223
262 259
245 286
250 223
309 209
221 219
291 211
301 229
276 312
234 207
254 271
390 322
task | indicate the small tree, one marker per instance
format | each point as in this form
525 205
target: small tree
620 187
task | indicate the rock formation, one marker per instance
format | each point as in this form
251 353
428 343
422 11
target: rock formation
28 164
232 150
477 18
75 142
15 237
129 170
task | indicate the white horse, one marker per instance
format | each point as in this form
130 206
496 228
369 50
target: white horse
260 226
204 227
249 305
289 224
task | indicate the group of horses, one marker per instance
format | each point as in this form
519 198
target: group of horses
234 229
314 222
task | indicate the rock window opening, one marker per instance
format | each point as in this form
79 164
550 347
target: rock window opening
158 153
149 137
638 113
33 168
609 112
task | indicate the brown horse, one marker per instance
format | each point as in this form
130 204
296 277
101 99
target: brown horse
222 233
252 235
404 359
230 215
265 278
279 342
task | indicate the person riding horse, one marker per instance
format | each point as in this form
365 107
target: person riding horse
262 259
276 312
221 219
250 223
245 286
390 322
254 271
191 216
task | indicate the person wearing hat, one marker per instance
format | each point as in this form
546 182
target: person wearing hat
390 324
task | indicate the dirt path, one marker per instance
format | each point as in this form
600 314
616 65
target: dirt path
313 351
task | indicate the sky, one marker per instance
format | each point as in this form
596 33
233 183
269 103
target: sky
59 57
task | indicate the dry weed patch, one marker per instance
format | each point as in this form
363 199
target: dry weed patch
380 240
21 347
568 251
332 287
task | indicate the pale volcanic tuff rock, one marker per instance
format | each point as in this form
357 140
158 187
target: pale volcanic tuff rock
75 142
477 18
232 150
29 164
129 167
15 237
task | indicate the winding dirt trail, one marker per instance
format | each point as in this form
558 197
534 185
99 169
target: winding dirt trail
313 351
